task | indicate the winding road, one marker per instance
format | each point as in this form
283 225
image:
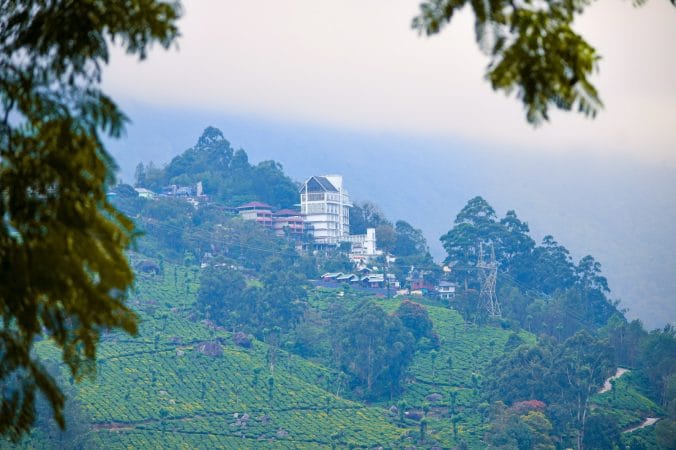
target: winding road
608 385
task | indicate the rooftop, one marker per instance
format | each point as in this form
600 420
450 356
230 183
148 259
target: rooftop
318 184
286 212
255 205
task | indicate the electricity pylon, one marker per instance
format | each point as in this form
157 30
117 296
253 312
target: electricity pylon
488 274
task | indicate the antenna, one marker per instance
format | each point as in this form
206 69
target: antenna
488 275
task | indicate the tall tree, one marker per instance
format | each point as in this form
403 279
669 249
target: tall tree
589 276
514 245
409 241
63 269
221 296
475 224
374 347
282 299
553 267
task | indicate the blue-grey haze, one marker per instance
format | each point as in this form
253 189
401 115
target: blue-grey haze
619 210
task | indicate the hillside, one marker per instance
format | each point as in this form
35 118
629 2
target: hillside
241 345
159 390
615 208
162 389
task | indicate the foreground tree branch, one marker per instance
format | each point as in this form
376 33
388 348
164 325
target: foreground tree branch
63 271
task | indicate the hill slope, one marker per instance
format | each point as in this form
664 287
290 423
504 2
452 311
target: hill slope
160 389
186 383
616 209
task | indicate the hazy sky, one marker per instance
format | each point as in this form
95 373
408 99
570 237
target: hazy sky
358 65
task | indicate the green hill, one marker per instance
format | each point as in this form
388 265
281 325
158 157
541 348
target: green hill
163 389
160 389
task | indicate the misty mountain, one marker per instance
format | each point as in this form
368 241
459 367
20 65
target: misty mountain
620 211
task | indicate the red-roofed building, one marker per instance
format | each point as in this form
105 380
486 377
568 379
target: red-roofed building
288 221
260 212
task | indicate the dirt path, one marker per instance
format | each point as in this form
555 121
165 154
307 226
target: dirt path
646 423
607 385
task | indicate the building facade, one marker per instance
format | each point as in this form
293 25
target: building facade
260 212
363 246
325 205
288 222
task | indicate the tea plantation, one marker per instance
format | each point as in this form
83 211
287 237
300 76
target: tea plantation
183 382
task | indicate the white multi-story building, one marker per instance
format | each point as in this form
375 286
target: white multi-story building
325 204
364 245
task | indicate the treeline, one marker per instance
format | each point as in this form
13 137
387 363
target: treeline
226 174
559 378
539 286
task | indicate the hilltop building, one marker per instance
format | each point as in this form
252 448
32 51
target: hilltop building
260 212
363 246
324 215
325 204
288 222
285 221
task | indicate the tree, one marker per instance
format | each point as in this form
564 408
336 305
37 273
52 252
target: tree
589 275
281 301
385 237
63 269
602 432
565 376
474 224
553 267
140 175
373 347
514 245
409 241
221 296
533 50
415 317
522 426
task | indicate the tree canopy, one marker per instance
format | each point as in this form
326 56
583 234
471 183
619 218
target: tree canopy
527 270
63 269
226 174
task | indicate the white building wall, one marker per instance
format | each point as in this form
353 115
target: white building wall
328 212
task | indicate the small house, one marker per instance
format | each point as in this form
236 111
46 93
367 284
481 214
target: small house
446 290
331 276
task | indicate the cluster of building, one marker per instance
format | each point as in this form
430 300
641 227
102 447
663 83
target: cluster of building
365 279
193 193
374 279
323 216
284 221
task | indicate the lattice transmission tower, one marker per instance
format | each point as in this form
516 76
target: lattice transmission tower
488 275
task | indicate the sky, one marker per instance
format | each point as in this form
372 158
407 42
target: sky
357 65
